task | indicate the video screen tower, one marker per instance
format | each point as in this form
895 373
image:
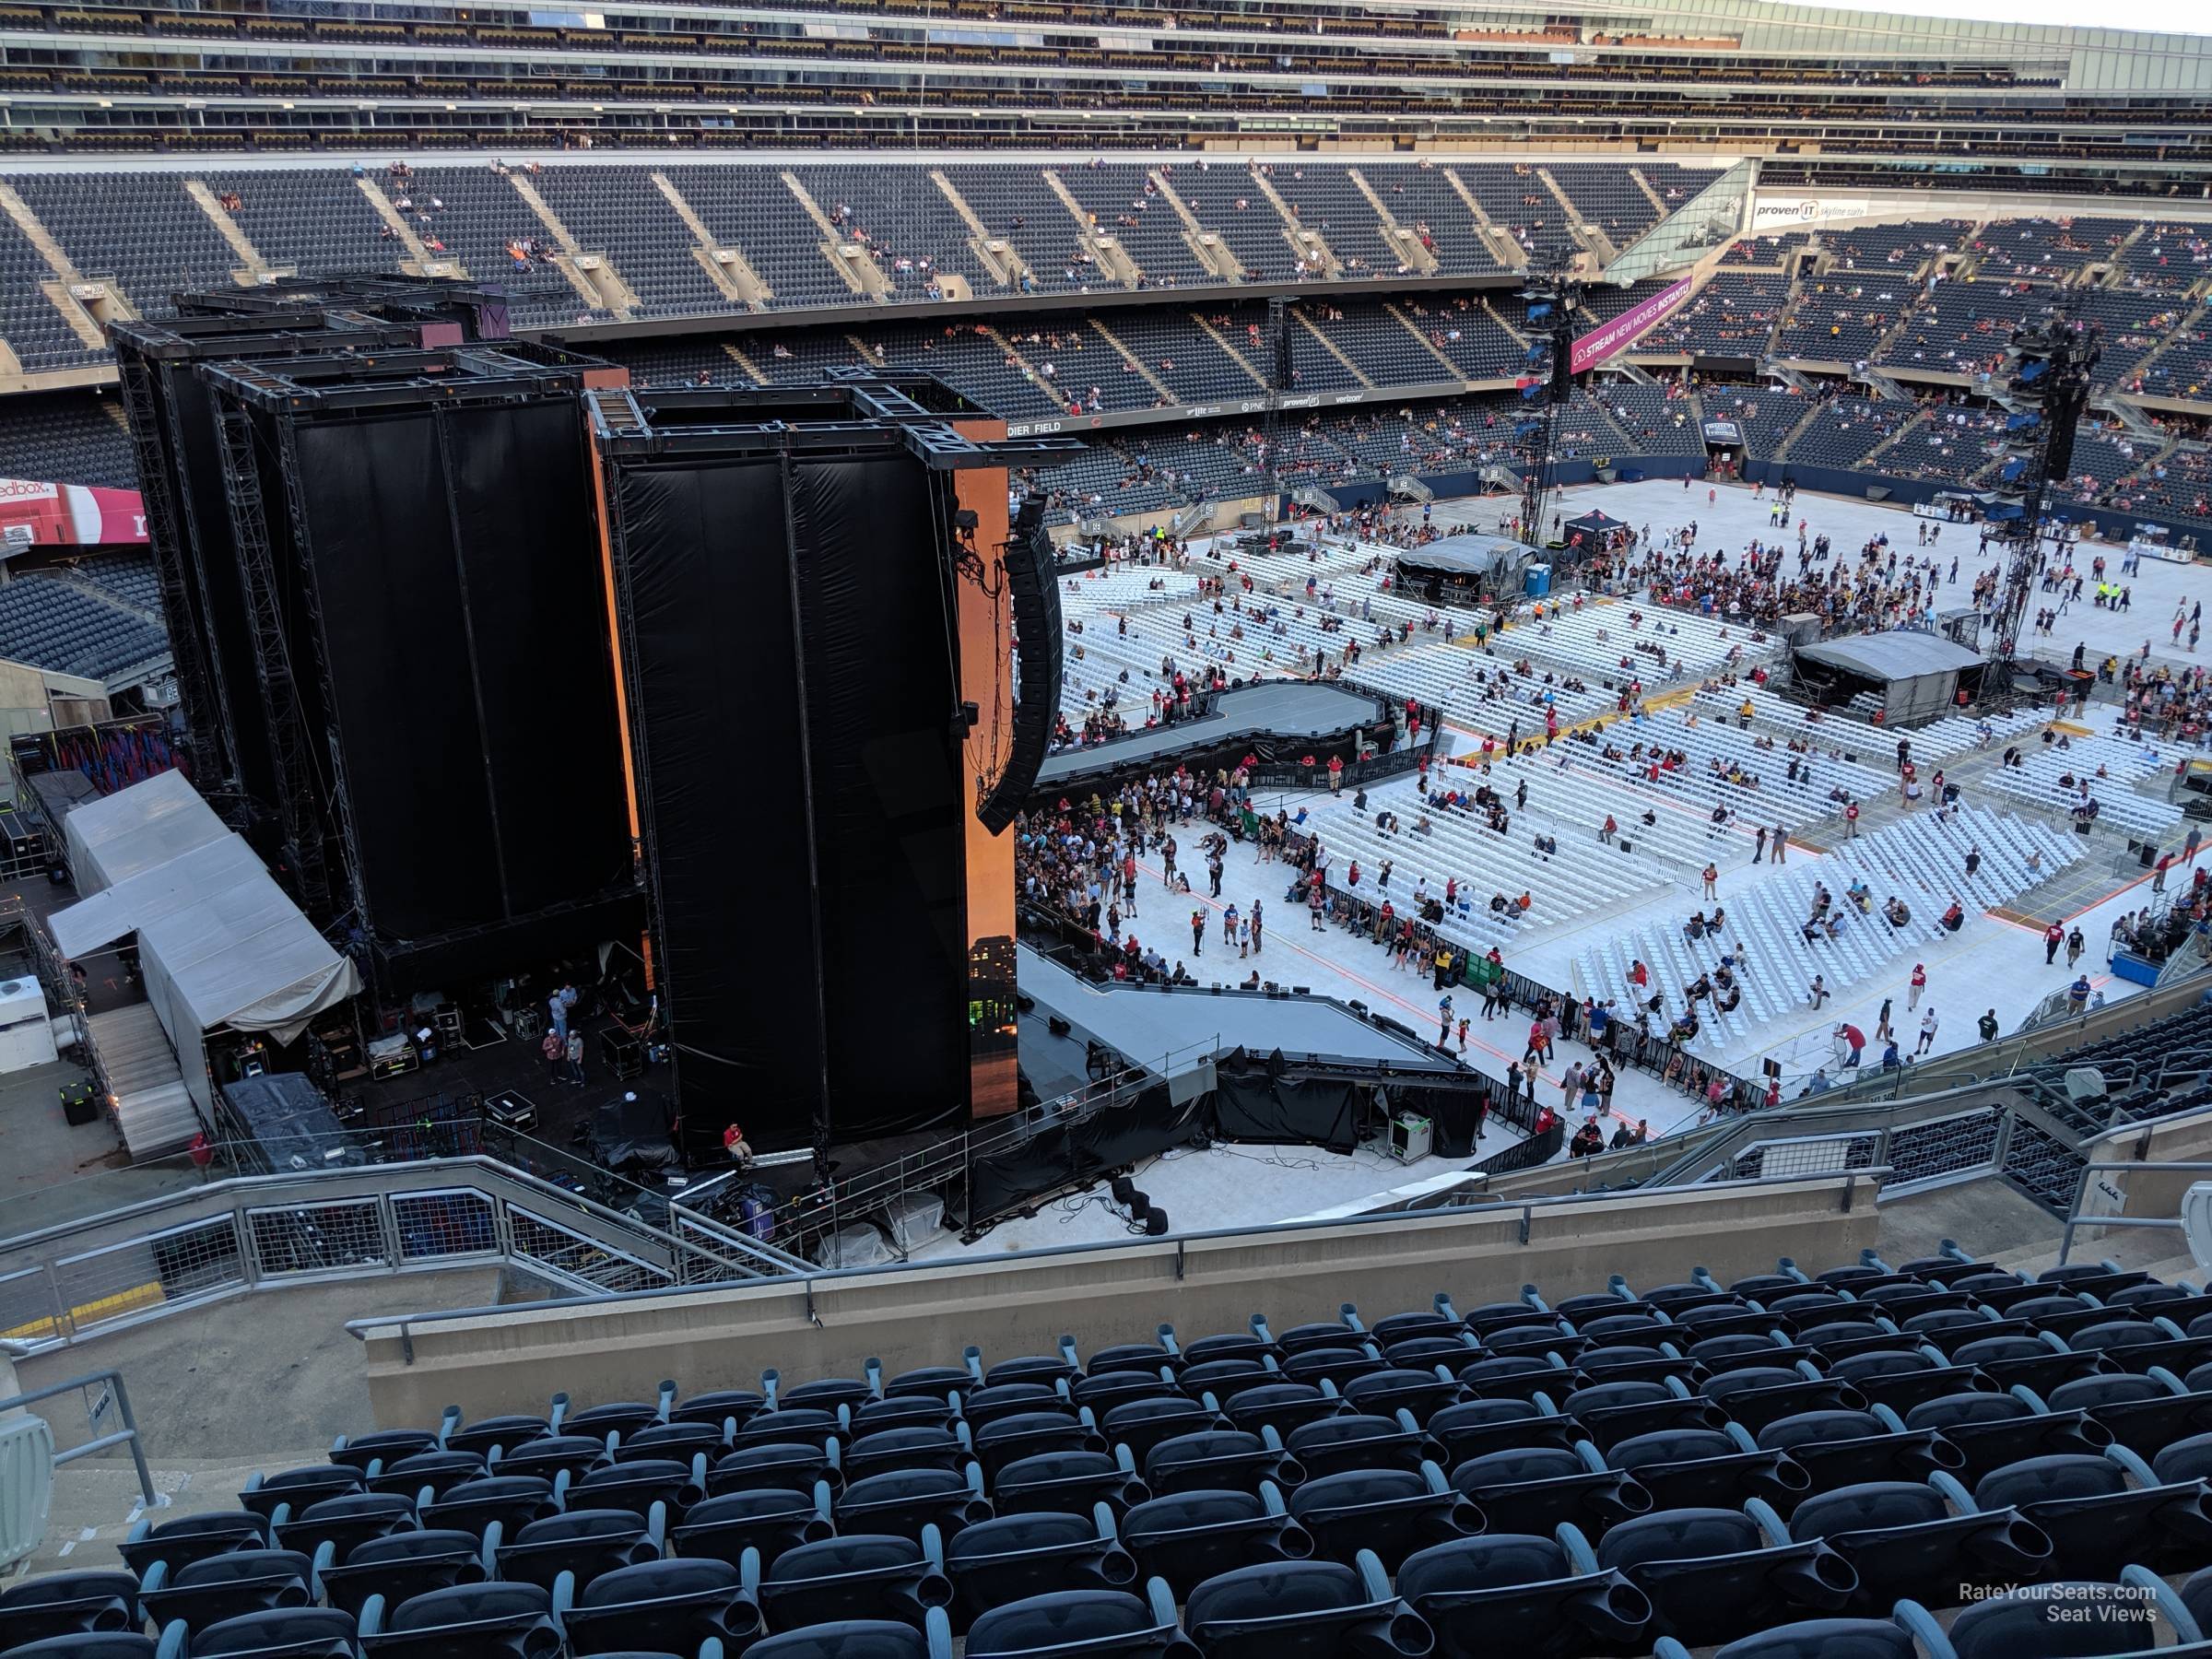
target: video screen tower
2046 387
1547 380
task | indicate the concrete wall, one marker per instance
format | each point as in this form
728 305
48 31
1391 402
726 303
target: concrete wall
2149 1191
924 1314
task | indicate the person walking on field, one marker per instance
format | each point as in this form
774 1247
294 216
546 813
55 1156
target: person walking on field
1919 984
1927 1031
2053 936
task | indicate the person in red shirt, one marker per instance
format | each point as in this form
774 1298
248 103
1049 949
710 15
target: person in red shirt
1335 774
737 1147
1919 984
1639 975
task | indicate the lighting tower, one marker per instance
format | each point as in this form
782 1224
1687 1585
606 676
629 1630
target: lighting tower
1548 379
2046 386
1281 378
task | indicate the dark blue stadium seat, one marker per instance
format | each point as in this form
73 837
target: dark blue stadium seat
508 1502
1190 1536
908 1500
293 1489
104 1644
494 1433
1926 1542
1715 1574
1304 1610
1069 1481
859 1639
1220 1457
1359 1442
1141 1425
67 1604
1708 1468
1016 1557
403 1566
384 1446
1845 1448
227 1587
864 1575
1993 1429
1390 1511
768 1519
1910 1633
584 1544
664 1606
192 1538
551 1456
2102 1512
2071 1620
1110 1623
1538 1488
280 1633
1518 1592
1475 1426
777 1466
487 1621
343 1524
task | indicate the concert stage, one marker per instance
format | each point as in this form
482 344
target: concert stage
1173 1031
1256 719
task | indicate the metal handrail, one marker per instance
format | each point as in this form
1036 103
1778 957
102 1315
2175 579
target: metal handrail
2188 1166
126 1435
1848 1181
377 1180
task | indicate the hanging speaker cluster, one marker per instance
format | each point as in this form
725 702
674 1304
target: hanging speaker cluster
1038 647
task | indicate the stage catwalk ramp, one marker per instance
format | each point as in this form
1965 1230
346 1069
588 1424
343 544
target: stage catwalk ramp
1259 717
788 571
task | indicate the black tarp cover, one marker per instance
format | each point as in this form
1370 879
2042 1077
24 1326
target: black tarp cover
1263 1100
1018 1168
630 1134
463 627
792 717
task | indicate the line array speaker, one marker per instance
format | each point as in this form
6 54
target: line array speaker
1038 646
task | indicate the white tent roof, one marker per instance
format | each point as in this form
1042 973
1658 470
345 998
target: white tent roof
136 829
219 942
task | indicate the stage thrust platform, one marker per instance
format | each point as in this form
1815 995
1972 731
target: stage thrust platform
1270 713
1174 1030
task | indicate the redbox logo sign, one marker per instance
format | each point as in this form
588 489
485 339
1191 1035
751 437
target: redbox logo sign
34 513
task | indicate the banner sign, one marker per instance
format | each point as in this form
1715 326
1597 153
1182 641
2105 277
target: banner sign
1604 341
83 515
1771 216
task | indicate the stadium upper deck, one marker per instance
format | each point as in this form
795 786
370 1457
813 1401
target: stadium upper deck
1709 74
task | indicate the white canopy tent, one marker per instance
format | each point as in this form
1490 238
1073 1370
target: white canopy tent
220 945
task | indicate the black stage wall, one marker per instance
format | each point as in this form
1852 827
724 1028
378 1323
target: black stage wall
173 419
801 785
467 645
444 620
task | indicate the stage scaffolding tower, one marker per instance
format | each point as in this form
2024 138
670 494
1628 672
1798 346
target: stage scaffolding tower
1551 298
2046 387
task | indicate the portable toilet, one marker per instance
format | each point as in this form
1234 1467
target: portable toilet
1536 581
